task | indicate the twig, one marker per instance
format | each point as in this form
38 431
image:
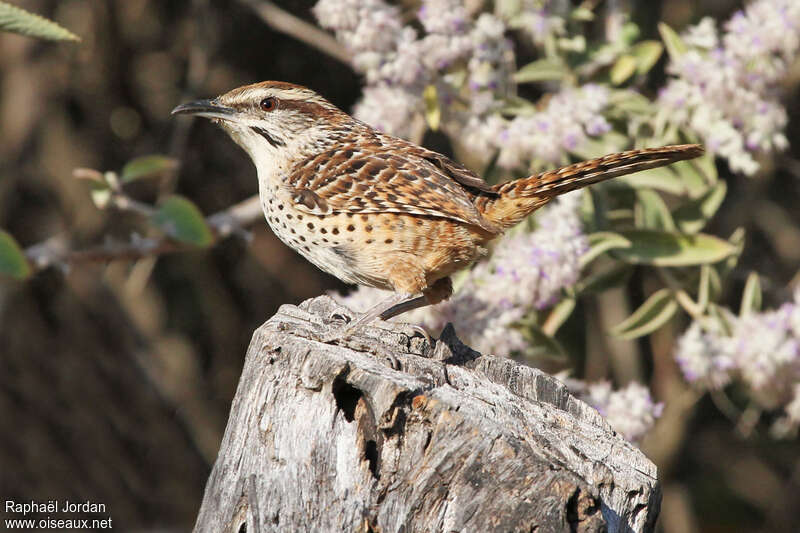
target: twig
55 251
285 22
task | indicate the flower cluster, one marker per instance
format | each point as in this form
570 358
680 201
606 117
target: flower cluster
568 119
397 62
528 270
629 410
762 350
469 59
725 84
539 19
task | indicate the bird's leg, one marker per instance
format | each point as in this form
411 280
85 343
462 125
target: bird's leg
441 290
372 313
405 306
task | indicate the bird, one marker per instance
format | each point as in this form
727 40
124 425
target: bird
377 210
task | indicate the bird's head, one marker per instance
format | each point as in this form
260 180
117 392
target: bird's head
272 120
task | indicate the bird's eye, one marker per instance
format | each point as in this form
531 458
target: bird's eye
268 104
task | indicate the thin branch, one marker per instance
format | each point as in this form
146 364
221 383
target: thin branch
56 251
285 22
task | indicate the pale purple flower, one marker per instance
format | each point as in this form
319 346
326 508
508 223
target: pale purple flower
629 410
389 109
444 16
569 119
761 350
540 20
725 86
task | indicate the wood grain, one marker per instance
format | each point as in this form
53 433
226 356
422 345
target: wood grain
385 433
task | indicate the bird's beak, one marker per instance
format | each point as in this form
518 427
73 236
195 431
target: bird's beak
205 108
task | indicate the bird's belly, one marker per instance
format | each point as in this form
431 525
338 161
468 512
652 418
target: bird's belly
324 240
369 248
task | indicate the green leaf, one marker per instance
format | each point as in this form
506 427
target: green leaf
514 105
582 14
558 315
608 143
751 298
693 179
541 70
630 32
673 42
623 69
600 242
433 113
16 20
720 314
542 344
692 216
147 166
661 248
647 54
662 179
704 289
650 316
630 102
13 262
652 212
706 165
603 281
182 220
101 194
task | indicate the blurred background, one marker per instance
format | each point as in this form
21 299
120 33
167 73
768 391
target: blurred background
116 379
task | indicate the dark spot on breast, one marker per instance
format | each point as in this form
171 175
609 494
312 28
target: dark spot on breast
324 240
280 206
368 228
306 248
293 231
299 217
364 217
351 228
335 231
370 241
289 216
391 197
302 238
388 241
310 226
323 231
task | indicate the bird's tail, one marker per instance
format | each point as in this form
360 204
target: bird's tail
517 199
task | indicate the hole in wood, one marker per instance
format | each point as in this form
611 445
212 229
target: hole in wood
371 453
346 397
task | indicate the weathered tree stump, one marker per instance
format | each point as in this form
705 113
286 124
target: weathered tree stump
384 433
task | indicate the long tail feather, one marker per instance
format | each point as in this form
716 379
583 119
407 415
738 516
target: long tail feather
518 198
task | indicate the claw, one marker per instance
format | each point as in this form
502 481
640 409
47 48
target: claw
341 316
424 333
